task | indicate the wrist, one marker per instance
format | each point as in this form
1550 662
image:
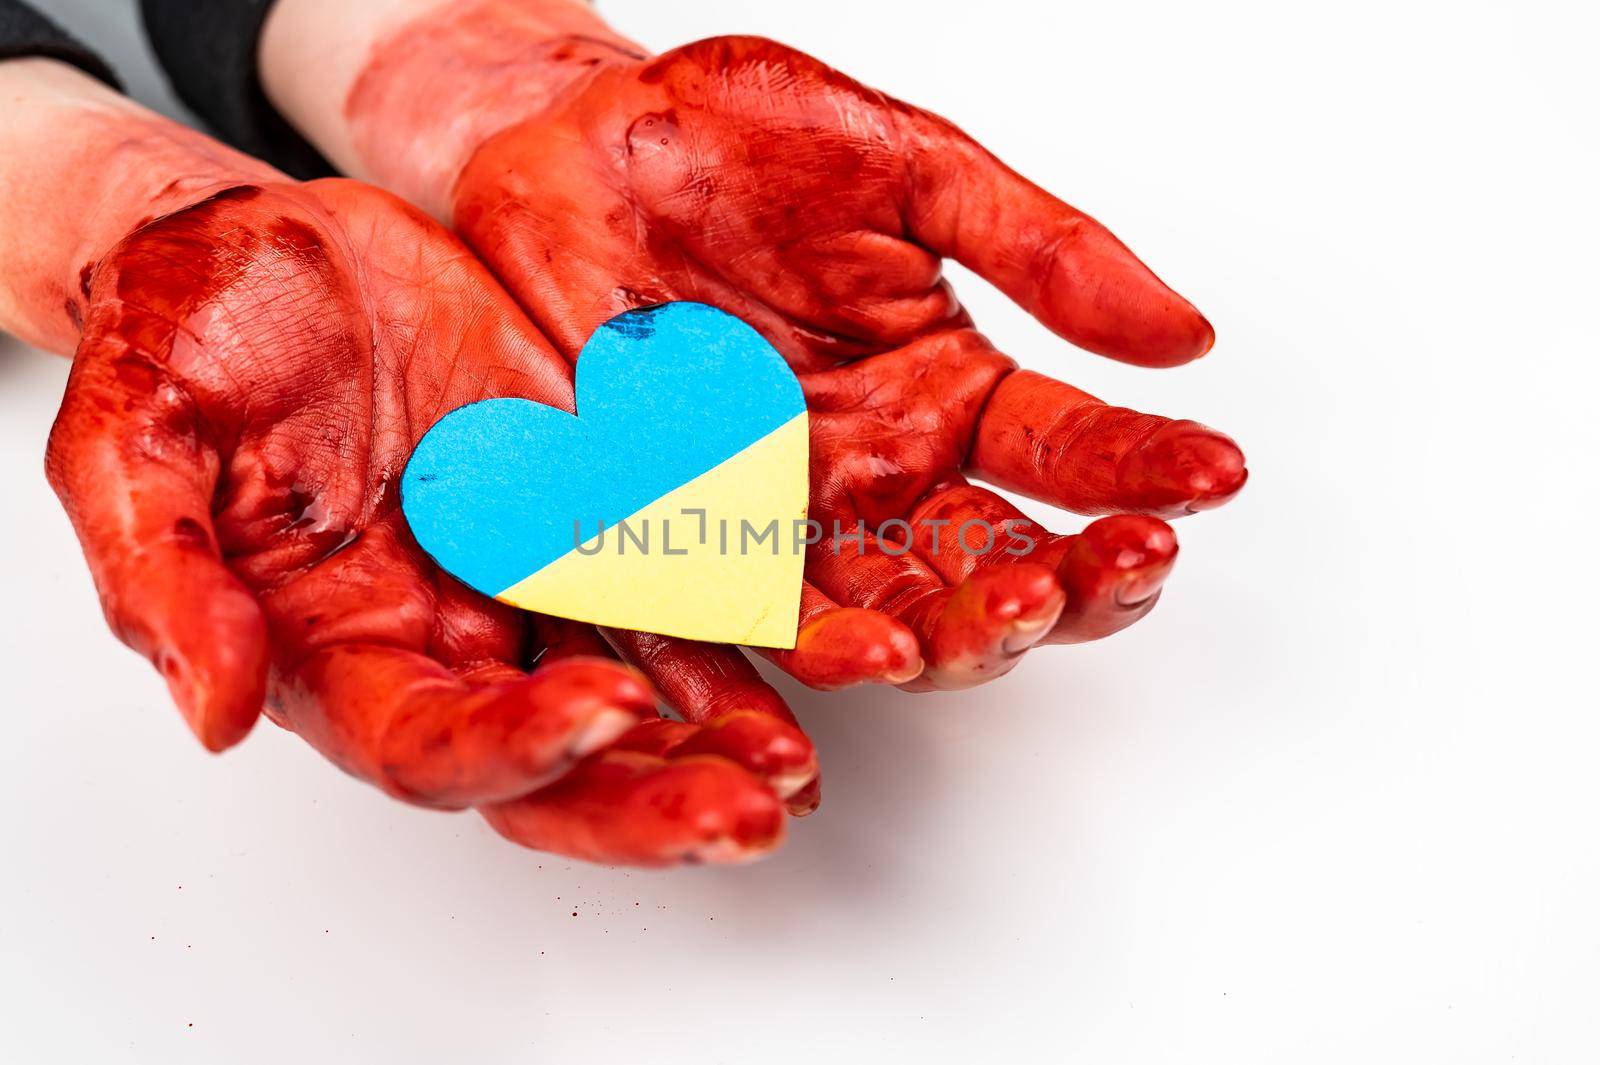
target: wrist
401 92
80 168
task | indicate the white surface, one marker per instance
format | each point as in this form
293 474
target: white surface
1334 801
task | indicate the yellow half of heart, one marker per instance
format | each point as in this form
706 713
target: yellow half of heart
731 575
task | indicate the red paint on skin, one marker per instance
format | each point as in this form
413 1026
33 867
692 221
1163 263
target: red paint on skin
837 647
737 715
1111 573
629 807
1048 439
257 553
254 371
742 173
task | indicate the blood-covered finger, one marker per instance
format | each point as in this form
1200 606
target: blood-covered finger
408 724
969 633
1112 572
657 737
624 807
1060 265
959 528
989 621
666 737
840 646
487 673
132 465
1053 442
740 716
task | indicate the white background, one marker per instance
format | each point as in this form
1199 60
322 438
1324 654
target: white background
1333 801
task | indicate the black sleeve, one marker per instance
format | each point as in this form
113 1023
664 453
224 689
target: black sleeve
208 49
24 32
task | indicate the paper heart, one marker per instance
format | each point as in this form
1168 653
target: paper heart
682 409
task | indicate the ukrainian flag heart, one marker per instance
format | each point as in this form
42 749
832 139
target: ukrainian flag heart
673 502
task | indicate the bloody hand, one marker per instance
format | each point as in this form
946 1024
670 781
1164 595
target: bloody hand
742 173
254 371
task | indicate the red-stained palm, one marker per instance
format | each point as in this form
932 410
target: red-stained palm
742 173
253 374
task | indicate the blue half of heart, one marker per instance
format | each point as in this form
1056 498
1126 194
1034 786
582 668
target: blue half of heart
664 395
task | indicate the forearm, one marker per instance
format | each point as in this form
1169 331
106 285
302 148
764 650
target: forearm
80 168
400 92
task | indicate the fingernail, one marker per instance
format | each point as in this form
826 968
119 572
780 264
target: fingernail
600 731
